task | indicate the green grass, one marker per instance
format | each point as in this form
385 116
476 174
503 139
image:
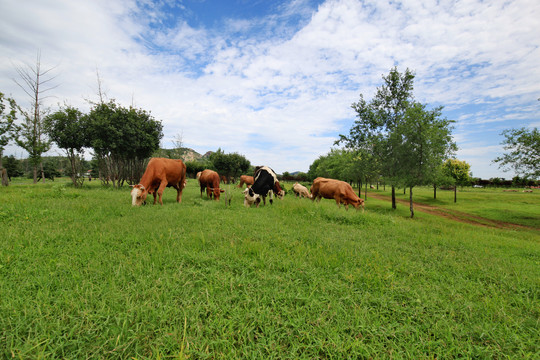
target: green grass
85 275
494 203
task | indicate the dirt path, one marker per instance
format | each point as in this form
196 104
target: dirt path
456 215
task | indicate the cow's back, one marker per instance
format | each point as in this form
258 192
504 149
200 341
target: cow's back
173 170
209 178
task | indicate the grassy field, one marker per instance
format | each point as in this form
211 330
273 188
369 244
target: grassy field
83 274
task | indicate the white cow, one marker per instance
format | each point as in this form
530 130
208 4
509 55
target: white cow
301 190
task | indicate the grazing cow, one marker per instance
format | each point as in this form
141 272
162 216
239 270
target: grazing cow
301 190
159 174
265 183
209 179
246 179
341 191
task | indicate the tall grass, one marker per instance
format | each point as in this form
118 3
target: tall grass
85 275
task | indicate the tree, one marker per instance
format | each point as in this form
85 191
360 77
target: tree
524 155
7 130
231 165
67 128
459 171
12 165
378 119
422 141
31 134
122 140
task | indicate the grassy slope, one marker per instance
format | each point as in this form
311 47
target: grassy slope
83 274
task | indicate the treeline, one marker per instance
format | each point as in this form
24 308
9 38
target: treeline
231 166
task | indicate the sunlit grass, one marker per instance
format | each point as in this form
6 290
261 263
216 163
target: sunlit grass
85 275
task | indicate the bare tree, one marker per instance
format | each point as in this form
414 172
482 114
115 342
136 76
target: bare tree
34 81
178 143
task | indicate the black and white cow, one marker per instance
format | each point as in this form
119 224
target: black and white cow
266 183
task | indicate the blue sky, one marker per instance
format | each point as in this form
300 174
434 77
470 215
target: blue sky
274 80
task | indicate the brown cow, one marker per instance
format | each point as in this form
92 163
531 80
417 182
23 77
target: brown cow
341 191
246 179
209 179
159 174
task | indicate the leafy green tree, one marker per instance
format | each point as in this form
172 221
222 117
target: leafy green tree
524 152
7 131
378 119
423 140
459 171
13 166
7 122
122 139
231 165
193 167
68 129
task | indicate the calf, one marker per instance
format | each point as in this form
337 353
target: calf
301 190
246 179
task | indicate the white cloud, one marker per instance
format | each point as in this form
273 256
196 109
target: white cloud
288 88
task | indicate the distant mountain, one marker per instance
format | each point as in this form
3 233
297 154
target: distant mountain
186 154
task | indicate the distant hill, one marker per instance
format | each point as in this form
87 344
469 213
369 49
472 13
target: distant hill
186 154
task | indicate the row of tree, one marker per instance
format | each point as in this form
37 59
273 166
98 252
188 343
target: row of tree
400 141
398 138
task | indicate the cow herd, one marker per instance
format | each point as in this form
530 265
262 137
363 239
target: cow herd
161 173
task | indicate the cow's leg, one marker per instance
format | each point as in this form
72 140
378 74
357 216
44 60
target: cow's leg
160 190
271 197
155 197
179 189
338 201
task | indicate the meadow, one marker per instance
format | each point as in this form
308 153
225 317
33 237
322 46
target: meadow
83 274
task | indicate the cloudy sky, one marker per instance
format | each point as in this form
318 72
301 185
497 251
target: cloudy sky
274 80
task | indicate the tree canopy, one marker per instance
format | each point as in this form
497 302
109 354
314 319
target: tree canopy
7 126
523 156
122 139
398 138
230 165
68 129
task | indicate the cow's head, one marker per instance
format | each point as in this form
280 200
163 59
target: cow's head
358 203
280 193
250 197
215 191
138 195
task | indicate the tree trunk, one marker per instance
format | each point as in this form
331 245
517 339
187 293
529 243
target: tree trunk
365 192
359 189
455 193
42 172
393 197
5 179
434 191
35 174
411 202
